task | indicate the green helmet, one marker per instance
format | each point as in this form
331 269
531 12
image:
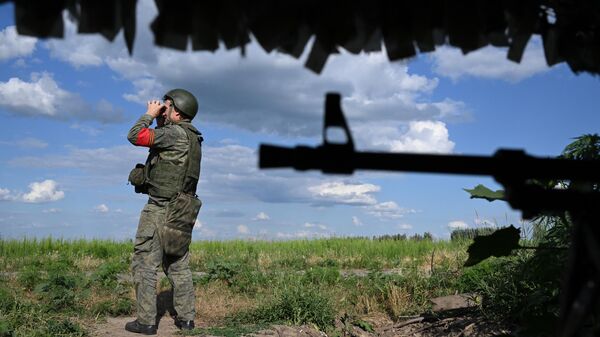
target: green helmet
183 101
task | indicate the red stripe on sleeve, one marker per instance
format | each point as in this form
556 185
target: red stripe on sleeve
145 137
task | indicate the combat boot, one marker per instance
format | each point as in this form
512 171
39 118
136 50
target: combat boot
184 325
144 329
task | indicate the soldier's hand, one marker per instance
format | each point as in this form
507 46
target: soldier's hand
155 108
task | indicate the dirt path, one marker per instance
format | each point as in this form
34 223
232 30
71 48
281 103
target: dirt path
115 327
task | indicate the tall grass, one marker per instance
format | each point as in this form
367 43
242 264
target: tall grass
298 254
340 252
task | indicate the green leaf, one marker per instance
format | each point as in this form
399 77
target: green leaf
482 192
499 243
366 326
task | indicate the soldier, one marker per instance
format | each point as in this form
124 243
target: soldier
171 174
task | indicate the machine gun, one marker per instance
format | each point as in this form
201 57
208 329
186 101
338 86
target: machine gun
514 169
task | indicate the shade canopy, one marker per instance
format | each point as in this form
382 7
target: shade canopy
569 29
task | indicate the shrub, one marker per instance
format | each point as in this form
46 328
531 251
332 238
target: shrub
63 328
224 271
30 277
322 276
297 305
106 274
58 292
7 300
120 307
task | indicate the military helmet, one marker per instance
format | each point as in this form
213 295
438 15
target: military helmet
183 101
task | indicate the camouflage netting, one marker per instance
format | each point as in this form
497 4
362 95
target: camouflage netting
570 29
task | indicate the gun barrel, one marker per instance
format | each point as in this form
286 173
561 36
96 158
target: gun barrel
509 164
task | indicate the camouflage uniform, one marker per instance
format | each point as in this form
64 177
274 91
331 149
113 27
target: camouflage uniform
170 144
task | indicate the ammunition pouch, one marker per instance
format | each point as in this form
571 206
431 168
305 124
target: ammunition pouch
137 178
176 233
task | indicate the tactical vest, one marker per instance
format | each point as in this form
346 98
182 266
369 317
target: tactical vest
166 179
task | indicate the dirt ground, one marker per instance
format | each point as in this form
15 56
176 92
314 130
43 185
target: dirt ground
464 325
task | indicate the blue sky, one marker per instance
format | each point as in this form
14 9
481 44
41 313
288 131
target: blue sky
67 105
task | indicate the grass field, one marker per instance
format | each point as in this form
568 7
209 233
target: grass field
60 287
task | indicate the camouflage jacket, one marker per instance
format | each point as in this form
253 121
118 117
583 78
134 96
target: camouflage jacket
169 146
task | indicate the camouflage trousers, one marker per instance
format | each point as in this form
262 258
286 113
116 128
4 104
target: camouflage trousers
148 256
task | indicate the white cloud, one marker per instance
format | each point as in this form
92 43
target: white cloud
356 221
489 62
262 216
240 92
388 210
26 143
197 224
102 208
314 225
52 210
20 63
457 224
5 194
42 97
44 191
405 226
81 49
91 131
345 193
243 229
13 45
417 136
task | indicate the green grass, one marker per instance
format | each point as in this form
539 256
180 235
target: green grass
62 286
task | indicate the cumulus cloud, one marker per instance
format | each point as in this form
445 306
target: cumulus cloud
243 229
489 62
457 224
345 193
81 50
5 194
43 97
275 94
102 208
13 45
261 216
417 136
356 221
388 210
405 226
44 191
